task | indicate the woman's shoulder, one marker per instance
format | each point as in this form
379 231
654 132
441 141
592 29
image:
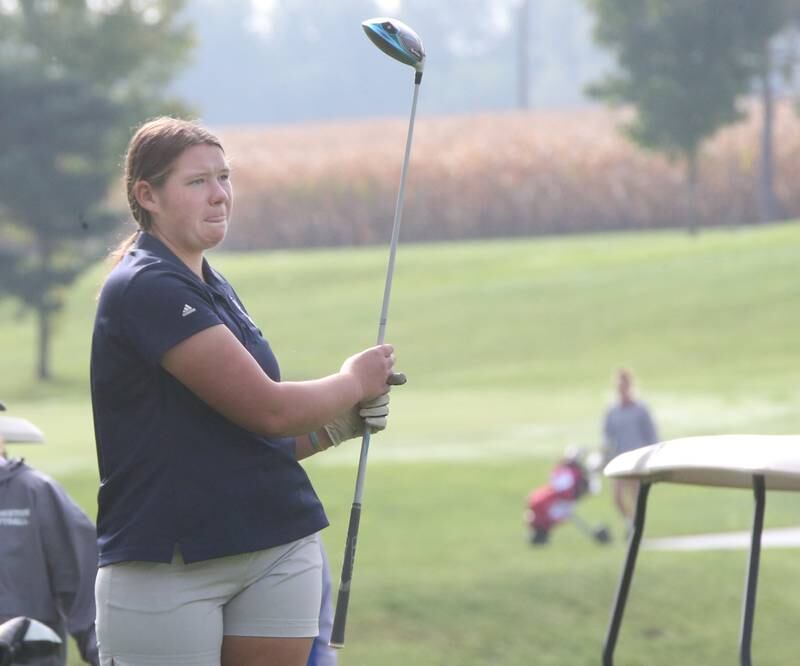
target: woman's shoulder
142 273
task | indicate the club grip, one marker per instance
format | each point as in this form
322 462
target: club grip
340 616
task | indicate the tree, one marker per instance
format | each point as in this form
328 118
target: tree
680 66
772 61
80 74
523 57
51 179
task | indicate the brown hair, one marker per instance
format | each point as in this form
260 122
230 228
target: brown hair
151 153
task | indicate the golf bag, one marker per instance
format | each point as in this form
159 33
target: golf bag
554 503
26 641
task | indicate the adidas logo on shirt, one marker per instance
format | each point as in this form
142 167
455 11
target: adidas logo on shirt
187 310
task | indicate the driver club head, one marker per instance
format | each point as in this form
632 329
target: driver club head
397 40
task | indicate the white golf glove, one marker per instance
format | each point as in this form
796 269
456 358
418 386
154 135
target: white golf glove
351 424
375 412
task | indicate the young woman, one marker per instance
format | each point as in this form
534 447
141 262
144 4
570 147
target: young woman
207 524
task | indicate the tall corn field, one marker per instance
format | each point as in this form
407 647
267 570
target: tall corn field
497 175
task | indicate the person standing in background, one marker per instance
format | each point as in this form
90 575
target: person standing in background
48 552
321 653
627 425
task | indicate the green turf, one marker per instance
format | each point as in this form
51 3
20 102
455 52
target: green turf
510 347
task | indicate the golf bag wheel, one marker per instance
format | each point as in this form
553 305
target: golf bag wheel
602 535
539 537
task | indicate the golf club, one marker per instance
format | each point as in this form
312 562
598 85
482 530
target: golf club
401 43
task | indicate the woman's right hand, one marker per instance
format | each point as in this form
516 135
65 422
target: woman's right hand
371 368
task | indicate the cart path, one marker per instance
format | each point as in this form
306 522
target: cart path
785 537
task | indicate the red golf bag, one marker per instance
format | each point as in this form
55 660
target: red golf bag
554 503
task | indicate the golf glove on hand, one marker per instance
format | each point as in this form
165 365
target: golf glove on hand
375 412
351 424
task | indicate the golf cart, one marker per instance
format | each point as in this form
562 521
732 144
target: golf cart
756 462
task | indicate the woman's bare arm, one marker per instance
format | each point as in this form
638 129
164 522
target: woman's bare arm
215 366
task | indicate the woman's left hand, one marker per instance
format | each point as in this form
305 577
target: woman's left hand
349 425
375 412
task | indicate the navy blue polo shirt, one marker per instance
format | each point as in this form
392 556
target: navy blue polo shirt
172 470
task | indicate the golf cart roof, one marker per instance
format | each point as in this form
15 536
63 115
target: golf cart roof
715 460
15 430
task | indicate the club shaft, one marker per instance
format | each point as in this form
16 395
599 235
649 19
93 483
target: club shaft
398 216
343 599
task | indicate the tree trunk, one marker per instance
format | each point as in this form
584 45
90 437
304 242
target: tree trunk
692 225
43 310
523 57
43 316
767 202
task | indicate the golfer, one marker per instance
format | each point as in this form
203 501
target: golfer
627 425
207 524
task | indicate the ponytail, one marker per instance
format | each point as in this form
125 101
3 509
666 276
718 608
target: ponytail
116 255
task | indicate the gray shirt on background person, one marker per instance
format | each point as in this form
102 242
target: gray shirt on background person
627 426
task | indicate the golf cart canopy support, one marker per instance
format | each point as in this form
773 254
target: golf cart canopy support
757 462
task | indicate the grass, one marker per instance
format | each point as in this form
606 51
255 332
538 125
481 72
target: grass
509 347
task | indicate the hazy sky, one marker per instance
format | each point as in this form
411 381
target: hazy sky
248 70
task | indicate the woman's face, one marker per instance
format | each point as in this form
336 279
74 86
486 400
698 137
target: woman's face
191 209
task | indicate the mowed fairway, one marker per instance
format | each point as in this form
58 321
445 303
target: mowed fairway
510 348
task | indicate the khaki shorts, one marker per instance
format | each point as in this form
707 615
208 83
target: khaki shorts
151 613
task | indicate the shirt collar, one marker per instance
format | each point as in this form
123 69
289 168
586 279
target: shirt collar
153 245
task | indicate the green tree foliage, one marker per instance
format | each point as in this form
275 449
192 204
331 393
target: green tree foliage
682 65
51 180
74 77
